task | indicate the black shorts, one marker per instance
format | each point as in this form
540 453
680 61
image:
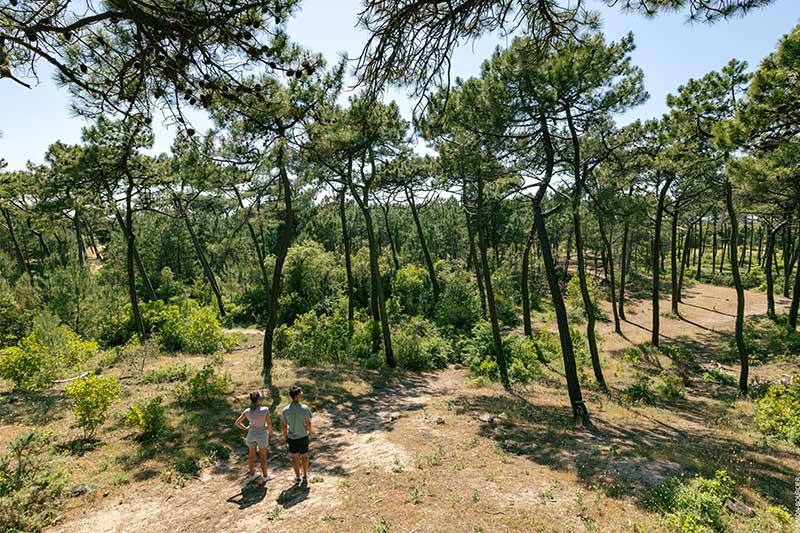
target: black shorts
298 445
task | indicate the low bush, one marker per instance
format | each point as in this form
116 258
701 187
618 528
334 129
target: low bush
639 392
716 375
168 374
574 298
91 397
186 328
314 338
459 306
205 387
520 354
418 346
778 412
149 418
632 355
31 487
767 340
42 356
672 386
699 505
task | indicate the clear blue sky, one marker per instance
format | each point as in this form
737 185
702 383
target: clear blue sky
669 50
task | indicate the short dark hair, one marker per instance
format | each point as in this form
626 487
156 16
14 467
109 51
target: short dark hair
294 391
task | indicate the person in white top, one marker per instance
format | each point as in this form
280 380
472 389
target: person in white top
259 431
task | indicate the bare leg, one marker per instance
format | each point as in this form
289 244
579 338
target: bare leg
251 460
263 452
304 458
296 464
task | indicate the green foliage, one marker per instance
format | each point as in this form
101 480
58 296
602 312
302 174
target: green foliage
520 352
459 306
672 386
314 339
778 412
716 375
186 328
30 486
168 374
419 346
13 320
203 388
574 299
632 355
40 357
148 418
699 505
91 397
767 340
412 289
639 392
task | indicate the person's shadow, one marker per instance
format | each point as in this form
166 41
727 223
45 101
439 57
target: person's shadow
292 496
249 495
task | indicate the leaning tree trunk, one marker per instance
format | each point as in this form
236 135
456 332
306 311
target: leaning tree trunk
392 246
40 238
76 223
348 265
254 238
424 245
567 352
23 261
476 265
198 248
662 196
282 250
737 281
487 282
151 292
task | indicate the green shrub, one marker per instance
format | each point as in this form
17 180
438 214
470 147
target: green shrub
574 299
38 359
699 505
418 346
766 340
186 328
778 412
13 321
547 345
459 306
632 355
639 392
149 418
30 486
91 397
672 386
718 376
412 289
168 374
520 353
205 387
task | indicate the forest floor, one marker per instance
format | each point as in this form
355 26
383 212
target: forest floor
438 452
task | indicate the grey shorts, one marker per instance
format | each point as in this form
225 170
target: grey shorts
259 439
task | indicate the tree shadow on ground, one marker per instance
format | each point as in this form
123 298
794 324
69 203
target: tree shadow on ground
628 459
34 408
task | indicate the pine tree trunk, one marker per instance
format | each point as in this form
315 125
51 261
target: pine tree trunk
474 258
129 263
201 256
750 255
623 271
684 261
770 260
793 307
151 292
701 246
760 243
424 245
714 247
662 196
392 247
23 261
526 301
787 255
673 257
737 281
348 265
254 238
610 262
281 251
76 224
487 282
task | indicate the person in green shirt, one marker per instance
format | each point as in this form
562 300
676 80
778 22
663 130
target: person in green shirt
296 429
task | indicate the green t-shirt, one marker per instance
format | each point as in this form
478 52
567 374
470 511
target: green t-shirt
295 416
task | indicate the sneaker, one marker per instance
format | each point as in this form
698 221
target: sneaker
305 481
297 481
268 477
